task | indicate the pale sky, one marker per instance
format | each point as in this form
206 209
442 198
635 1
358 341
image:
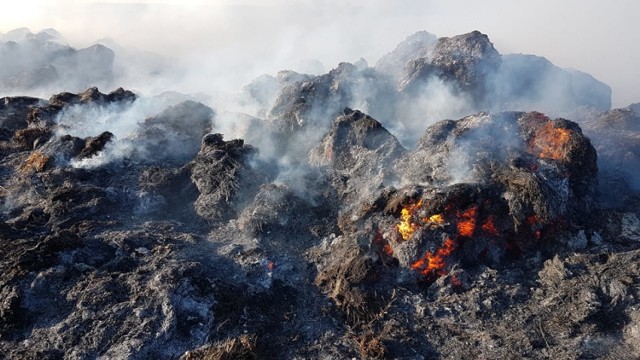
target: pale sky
247 37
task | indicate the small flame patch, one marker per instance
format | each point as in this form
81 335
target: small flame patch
407 226
435 219
435 263
465 223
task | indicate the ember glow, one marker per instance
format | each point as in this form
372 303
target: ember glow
467 221
489 227
435 263
550 142
384 248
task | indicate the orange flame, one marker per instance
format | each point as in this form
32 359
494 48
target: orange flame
435 263
407 226
550 142
467 221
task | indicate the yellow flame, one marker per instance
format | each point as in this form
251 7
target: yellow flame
436 219
407 227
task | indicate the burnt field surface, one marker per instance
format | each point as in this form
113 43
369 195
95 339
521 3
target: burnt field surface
341 224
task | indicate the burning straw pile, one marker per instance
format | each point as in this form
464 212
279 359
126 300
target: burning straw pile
317 236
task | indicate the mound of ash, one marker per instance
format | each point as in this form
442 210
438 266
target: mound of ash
359 153
417 46
219 170
312 103
465 60
533 82
174 134
473 67
528 193
615 135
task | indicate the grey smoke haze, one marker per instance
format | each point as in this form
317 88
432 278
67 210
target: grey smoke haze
227 43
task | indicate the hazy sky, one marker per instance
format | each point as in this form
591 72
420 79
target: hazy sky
236 40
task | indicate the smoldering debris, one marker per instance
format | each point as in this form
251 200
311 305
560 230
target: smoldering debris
138 227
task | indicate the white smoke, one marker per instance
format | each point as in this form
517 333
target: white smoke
123 120
210 50
435 101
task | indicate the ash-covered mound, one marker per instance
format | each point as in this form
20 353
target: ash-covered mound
473 67
528 193
616 136
174 134
14 113
418 45
223 176
467 61
309 103
359 152
625 119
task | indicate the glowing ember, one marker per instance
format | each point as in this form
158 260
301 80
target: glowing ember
407 226
386 248
467 221
436 262
455 280
382 245
489 227
550 142
532 220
